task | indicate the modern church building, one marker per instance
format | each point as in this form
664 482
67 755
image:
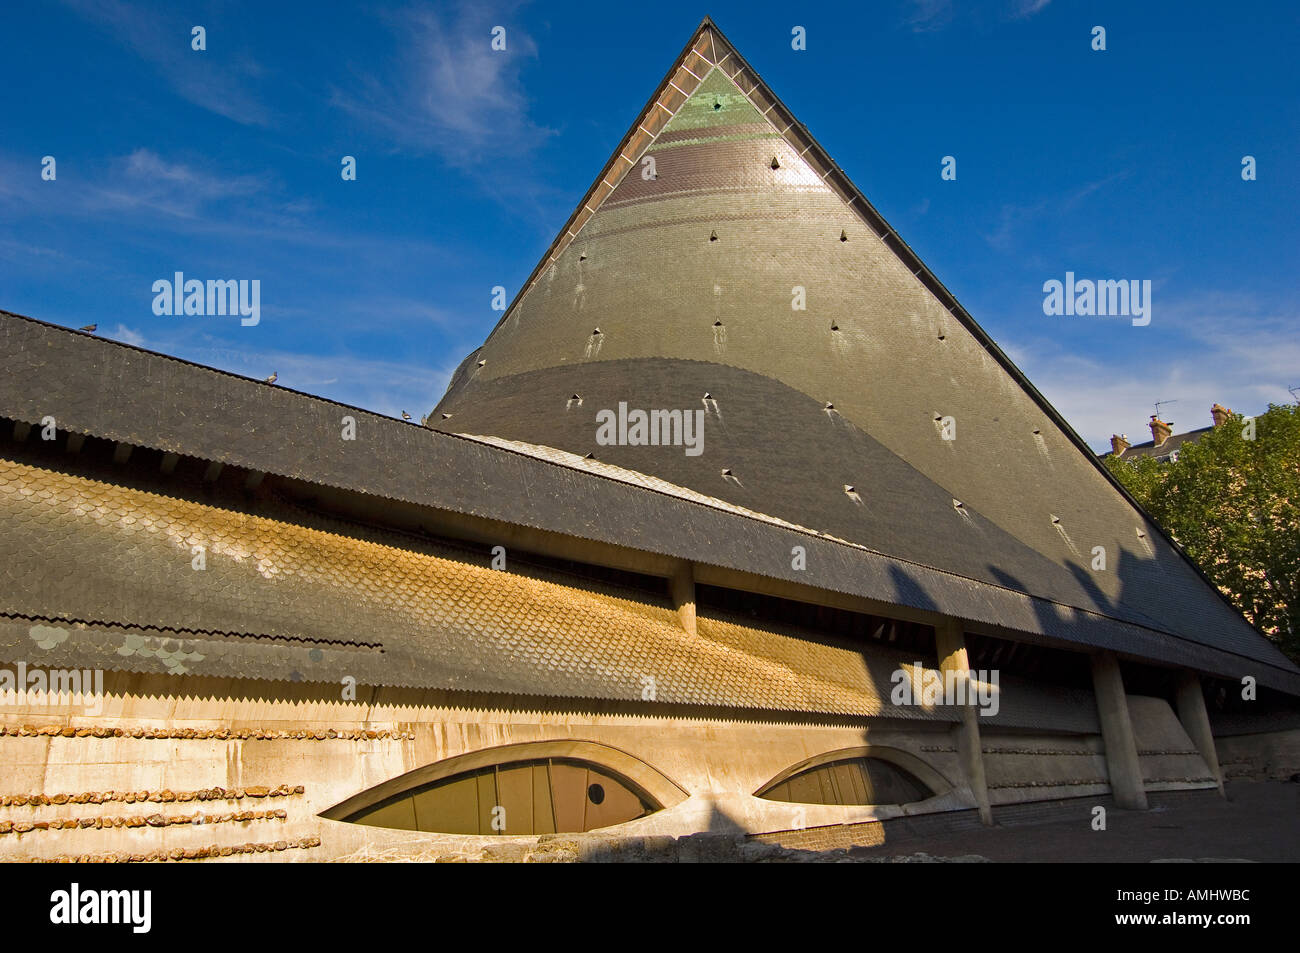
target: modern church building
737 521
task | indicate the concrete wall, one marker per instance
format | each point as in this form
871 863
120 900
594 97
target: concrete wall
1273 755
274 748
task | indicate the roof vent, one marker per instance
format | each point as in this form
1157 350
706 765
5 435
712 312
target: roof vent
595 332
775 163
713 236
726 471
481 363
941 336
844 236
590 456
446 416
717 104
850 489
835 327
958 505
829 406
582 257
708 396
576 397
717 324
1056 521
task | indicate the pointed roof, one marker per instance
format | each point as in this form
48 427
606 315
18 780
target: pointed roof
723 262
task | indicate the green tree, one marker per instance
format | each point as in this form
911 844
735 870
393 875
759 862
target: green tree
1232 501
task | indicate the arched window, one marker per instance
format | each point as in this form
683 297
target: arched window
863 780
537 796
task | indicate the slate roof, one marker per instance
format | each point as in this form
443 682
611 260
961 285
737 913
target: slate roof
99 575
682 279
122 393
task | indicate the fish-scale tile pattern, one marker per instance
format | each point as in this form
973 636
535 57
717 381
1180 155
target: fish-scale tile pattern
117 563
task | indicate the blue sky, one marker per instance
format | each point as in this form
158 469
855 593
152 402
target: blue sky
225 163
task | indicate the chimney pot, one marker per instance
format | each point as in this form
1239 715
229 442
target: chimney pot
1220 414
1118 444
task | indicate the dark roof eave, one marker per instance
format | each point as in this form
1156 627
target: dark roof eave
107 389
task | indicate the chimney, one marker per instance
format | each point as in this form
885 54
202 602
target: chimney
1220 414
1160 431
1118 443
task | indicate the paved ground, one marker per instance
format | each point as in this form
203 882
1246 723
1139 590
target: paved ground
1259 821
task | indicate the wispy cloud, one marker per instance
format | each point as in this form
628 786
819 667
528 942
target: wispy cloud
450 93
381 385
213 79
924 16
1024 9
384 386
143 180
1015 218
126 335
192 197
1218 348
928 16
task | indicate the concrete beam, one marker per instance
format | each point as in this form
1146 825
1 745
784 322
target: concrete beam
682 588
1190 699
1117 733
950 642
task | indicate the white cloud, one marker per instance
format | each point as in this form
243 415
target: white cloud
1024 9
451 93
127 336
1221 348
145 181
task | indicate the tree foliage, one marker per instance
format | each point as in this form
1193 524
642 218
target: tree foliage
1233 503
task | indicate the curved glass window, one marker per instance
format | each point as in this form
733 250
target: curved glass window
852 781
542 796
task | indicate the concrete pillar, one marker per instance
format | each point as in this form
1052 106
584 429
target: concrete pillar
1117 733
682 589
1196 721
951 646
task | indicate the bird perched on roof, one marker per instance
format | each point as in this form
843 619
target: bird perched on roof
89 328
271 379
405 415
